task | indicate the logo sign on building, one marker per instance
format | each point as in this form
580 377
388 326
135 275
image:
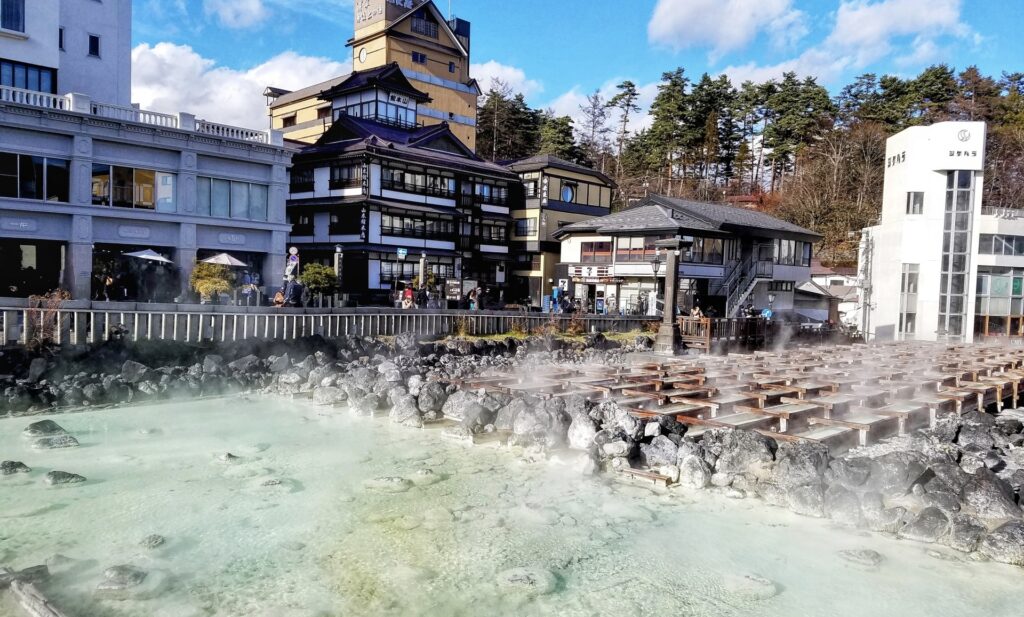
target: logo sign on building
398 98
896 159
403 253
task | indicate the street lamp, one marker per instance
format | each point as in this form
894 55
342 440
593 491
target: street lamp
771 302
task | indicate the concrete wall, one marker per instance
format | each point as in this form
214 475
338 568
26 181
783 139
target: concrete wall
108 78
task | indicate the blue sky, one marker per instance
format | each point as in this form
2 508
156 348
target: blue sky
194 54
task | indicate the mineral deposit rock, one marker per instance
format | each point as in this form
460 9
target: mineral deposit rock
8 468
328 395
58 478
54 443
404 410
694 473
863 557
1005 544
133 372
743 452
800 463
432 397
43 428
118 579
527 581
661 451
152 541
749 587
965 533
930 525
989 497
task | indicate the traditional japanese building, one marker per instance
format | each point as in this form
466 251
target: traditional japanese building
732 257
387 193
557 193
431 51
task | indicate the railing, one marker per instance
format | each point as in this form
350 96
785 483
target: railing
231 132
405 232
1005 213
132 114
32 98
705 333
764 269
81 104
393 185
349 183
192 324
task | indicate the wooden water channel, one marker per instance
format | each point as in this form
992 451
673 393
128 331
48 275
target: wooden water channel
840 396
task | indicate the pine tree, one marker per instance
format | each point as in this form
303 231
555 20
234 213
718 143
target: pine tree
594 131
625 103
558 138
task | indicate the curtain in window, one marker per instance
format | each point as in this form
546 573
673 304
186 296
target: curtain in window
12 15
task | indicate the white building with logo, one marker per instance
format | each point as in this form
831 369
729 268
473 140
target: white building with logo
940 265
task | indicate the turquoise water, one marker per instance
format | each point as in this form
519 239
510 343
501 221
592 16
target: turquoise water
302 523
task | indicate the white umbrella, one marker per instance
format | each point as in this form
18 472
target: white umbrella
149 254
225 260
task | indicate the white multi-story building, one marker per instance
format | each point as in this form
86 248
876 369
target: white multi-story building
940 265
64 46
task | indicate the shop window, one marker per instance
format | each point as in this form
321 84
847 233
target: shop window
596 253
33 177
236 200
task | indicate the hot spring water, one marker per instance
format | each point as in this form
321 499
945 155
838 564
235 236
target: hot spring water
322 514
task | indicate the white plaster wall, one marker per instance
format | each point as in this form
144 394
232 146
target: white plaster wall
107 78
38 44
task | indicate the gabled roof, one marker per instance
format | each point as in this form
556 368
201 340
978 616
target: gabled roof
388 77
442 23
351 135
663 214
546 161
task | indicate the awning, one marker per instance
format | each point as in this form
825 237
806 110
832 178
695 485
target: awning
149 255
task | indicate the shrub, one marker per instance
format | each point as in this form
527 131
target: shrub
319 279
211 280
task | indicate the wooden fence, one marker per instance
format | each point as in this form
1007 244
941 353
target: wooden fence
96 322
705 332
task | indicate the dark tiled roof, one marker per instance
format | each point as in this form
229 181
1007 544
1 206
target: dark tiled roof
350 135
389 77
543 161
657 213
308 91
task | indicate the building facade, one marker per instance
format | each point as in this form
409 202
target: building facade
430 50
81 186
556 193
391 196
940 265
64 46
733 258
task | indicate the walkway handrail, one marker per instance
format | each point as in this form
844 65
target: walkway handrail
96 322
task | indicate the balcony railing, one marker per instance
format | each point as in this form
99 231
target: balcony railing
433 191
1003 213
424 27
350 183
413 232
79 103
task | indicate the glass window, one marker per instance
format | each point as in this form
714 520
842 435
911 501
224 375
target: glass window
8 175
12 15
57 180
100 185
258 201
220 201
30 177
239 200
145 189
94 45
123 187
569 193
914 203
203 186
166 199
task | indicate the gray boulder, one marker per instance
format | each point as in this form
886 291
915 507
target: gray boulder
119 578
328 395
1005 544
965 533
744 452
545 423
989 497
213 364
661 451
460 404
368 405
582 428
244 365
43 428
280 364
895 473
930 526
408 344
694 472
8 468
58 478
432 397
133 372
807 500
404 411
879 518
618 419
800 463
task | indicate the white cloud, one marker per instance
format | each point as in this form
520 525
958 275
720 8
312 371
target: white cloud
174 78
724 25
568 104
487 72
866 31
236 13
